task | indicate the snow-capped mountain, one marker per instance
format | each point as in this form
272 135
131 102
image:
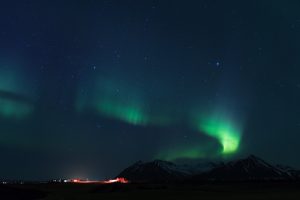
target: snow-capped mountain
295 174
250 168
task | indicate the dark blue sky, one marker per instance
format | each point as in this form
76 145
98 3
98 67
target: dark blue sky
89 87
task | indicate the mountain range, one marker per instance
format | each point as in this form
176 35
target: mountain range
250 168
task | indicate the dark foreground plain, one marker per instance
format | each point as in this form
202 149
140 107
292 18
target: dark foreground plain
225 190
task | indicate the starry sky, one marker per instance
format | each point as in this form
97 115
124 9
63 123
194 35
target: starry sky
89 87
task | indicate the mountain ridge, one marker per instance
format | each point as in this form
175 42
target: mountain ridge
249 168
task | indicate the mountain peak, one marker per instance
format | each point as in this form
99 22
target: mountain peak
251 162
249 168
253 157
157 170
162 162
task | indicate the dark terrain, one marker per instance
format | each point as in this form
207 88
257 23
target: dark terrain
225 190
248 178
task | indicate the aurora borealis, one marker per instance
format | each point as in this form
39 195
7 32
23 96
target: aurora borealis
13 100
228 136
89 87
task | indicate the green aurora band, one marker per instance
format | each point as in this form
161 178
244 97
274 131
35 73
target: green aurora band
127 113
219 125
224 130
13 88
119 101
14 110
131 113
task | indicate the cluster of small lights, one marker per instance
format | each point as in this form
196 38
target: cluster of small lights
117 180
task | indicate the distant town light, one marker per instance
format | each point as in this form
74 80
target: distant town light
117 180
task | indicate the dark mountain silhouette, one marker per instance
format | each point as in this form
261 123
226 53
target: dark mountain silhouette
290 171
250 168
157 170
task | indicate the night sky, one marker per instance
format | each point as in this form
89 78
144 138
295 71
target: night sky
89 87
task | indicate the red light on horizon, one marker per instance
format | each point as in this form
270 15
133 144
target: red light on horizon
117 180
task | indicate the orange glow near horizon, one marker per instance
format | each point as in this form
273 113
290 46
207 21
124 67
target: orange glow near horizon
117 180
